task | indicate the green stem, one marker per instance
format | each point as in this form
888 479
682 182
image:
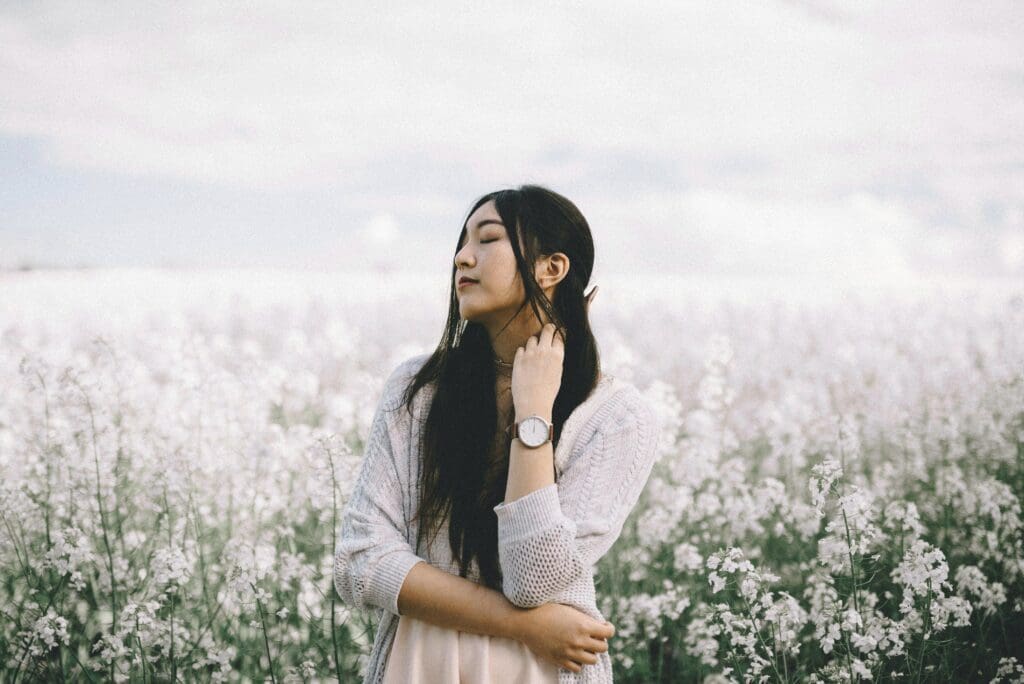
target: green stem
853 568
103 519
205 629
757 631
927 626
79 662
846 640
142 649
266 640
174 663
334 551
28 644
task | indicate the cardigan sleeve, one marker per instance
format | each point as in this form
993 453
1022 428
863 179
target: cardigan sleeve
548 538
373 557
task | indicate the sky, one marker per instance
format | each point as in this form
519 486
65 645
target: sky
835 139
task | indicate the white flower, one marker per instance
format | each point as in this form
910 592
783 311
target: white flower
971 581
863 642
171 569
903 519
713 561
70 551
824 475
1010 669
48 630
922 569
686 558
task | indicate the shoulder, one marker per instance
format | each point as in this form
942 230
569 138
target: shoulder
632 406
625 407
400 377
409 367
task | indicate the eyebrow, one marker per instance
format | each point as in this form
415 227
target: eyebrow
488 221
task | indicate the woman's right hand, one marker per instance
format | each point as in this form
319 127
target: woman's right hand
564 635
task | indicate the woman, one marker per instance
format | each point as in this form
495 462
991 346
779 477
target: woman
480 510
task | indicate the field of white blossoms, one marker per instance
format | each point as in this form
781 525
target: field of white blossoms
838 495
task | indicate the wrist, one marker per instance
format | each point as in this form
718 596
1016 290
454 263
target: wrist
527 410
517 623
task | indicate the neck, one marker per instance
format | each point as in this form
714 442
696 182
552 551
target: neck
504 350
513 337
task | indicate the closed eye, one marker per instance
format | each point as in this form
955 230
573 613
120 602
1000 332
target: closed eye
484 242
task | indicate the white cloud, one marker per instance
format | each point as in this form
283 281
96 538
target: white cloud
1011 247
383 244
381 232
286 97
775 136
711 232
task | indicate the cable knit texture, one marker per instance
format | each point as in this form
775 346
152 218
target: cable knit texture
548 540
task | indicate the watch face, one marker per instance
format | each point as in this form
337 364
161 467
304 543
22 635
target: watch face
533 431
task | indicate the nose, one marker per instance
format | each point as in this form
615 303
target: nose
460 258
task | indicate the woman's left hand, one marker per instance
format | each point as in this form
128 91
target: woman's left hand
537 373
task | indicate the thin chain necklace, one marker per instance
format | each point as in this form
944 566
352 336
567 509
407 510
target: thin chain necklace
504 369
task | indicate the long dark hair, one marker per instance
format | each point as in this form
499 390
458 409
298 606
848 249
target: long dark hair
457 477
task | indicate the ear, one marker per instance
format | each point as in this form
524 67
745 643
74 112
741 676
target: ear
551 269
590 297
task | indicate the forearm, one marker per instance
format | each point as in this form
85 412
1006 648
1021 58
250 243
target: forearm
443 599
529 469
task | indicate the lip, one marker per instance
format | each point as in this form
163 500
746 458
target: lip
467 281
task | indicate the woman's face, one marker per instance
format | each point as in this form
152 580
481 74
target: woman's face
485 254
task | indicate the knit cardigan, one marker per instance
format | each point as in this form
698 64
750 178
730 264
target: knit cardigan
548 540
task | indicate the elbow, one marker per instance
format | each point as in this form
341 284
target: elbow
526 599
535 590
343 582
536 596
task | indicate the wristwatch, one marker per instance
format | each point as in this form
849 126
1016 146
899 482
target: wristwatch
533 431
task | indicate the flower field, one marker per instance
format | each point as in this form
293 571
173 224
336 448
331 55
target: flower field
838 495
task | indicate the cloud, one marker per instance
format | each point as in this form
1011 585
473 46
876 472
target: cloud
768 125
1011 248
281 97
713 232
381 232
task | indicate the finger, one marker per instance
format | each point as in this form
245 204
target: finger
532 342
571 666
546 333
605 630
583 657
596 645
558 339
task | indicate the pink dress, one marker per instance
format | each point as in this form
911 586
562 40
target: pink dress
423 653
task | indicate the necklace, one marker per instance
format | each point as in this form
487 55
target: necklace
504 370
500 370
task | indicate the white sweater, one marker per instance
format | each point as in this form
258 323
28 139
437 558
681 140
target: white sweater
604 457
